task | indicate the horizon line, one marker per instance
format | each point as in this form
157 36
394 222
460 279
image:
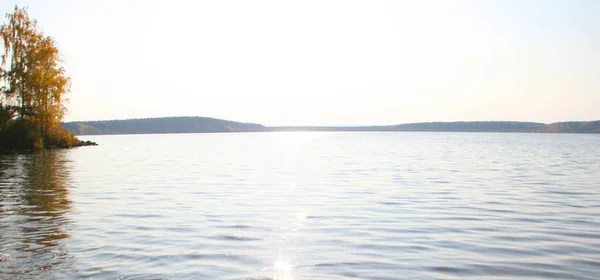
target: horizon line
327 126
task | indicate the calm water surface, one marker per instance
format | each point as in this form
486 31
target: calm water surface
305 206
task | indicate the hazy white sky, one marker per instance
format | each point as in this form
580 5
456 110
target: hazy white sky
328 62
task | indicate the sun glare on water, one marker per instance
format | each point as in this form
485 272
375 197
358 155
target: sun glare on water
293 139
283 270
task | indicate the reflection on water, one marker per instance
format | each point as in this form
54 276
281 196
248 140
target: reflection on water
305 206
283 270
34 197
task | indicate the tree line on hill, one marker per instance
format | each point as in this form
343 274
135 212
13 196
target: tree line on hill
208 125
161 125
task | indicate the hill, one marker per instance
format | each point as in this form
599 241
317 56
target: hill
499 126
160 125
479 126
208 125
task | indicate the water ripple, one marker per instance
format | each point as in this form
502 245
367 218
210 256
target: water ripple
305 206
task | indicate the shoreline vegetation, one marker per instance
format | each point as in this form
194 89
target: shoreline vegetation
33 88
212 125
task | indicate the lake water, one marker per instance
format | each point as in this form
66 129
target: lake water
305 206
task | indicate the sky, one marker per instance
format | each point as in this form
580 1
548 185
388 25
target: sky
328 62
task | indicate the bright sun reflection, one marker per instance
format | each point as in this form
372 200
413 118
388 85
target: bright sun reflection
284 266
282 270
290 140
301 216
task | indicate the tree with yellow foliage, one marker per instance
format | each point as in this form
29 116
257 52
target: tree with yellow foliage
33 87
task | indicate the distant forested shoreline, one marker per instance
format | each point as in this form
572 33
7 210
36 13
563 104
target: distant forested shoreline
161 125
212 125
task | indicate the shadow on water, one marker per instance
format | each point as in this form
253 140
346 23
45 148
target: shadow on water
34 198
